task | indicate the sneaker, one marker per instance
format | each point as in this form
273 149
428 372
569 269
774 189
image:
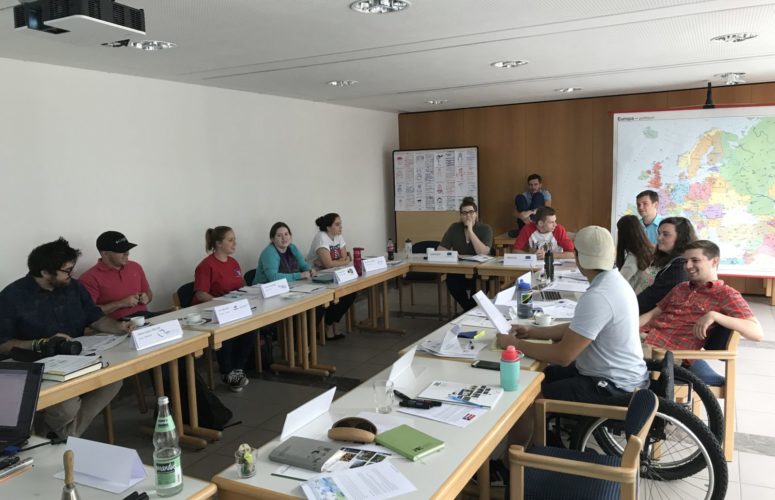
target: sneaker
236 380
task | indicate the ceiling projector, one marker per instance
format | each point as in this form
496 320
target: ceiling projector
80 21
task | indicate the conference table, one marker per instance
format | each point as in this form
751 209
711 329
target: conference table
41 483
123 361
440 475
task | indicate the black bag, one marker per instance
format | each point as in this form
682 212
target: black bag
212 413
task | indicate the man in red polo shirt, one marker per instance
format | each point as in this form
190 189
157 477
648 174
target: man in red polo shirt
545 234
116 284
682 319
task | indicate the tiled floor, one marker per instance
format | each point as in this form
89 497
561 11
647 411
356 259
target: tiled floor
262 406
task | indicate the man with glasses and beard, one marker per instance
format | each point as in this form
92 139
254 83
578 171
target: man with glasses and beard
42 309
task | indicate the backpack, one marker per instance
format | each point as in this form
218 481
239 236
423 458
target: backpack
212 413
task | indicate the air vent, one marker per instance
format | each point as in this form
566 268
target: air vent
118 14
58 8
95 9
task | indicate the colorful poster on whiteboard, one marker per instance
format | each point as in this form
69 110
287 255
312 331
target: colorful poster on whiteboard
715 167
434 179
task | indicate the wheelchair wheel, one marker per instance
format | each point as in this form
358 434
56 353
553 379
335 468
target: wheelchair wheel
680 459
713 414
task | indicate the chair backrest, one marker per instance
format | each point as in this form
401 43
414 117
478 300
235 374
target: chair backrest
640 414
721 339
423 246
184 296
249 276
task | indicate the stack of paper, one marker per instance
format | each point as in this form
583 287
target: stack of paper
95 344
559 309
475 258
452 347
482 396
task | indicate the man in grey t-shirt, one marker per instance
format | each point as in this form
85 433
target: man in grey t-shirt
598 354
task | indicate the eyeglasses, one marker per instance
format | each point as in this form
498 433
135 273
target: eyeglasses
68 272
467 212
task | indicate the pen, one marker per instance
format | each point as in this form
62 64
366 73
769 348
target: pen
404 397
420 405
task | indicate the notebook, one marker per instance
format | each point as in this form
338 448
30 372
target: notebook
303 452
409 442
21 386
63 367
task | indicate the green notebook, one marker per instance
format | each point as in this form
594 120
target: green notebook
409 442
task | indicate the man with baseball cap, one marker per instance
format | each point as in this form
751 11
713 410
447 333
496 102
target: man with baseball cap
116 284
597 355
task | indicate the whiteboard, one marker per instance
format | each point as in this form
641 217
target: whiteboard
716 167
434 180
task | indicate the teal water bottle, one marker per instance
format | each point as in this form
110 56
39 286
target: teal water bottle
510 368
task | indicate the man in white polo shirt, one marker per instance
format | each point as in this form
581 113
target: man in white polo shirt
597 355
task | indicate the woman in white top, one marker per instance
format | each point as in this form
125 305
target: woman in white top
328 250
634 253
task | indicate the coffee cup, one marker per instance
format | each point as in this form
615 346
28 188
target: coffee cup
543 319
193 318
137 320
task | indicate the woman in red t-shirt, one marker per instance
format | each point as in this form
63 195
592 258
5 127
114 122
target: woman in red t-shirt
218 274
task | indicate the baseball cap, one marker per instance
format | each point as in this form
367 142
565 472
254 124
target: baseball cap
113 241
595 247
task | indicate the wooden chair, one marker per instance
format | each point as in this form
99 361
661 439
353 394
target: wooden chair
549 473
721 344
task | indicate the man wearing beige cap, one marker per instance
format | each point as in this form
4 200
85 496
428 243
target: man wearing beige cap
597 355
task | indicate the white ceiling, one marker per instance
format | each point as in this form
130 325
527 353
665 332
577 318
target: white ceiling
437 49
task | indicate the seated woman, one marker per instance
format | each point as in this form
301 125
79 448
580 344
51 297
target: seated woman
281 259
467 237
634 253
329 250
219 274
674 234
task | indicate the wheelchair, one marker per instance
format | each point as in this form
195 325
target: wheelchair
682 457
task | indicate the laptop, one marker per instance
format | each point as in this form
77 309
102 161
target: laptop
21 387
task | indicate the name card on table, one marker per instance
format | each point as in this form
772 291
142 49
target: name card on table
442 255
345 275
374 264
104 466
520 259
153 335
232 311
273 288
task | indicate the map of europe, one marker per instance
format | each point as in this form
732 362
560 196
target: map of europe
714 167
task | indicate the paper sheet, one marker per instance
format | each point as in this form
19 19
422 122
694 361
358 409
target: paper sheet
306 413
492 312
377 482
460 416
559 309
95 344
450 346
307 288
104 466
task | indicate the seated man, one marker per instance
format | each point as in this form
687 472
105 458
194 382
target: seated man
648 203
682 319
46 304
526 203
116 284
544 234
598 354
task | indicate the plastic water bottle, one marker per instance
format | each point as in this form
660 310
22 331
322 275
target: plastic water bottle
166 453
549 265
391 249
525 305
408 248
510 368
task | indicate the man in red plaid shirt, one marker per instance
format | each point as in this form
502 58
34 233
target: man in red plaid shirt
682 319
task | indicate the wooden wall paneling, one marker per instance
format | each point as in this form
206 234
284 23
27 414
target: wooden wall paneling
421 226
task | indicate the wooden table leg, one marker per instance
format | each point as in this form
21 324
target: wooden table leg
385 311
313 345
177 411
291 345
158 381
303 336
483 479
193 411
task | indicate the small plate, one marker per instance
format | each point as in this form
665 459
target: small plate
536 323
194 323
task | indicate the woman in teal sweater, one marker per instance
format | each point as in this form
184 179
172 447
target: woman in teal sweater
281 259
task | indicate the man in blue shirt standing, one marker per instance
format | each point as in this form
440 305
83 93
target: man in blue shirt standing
526 203
648 203
41 308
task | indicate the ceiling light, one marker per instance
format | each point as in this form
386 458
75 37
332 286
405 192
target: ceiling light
508 64
379 6
732 78
734 37
153 45
568 90
342 83
436 102
116 44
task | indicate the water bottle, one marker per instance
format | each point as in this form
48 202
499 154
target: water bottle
510 368
549 265
166 453
408 248
391 249
358 260
525 305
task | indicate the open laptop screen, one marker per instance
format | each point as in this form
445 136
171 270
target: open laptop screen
20 383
